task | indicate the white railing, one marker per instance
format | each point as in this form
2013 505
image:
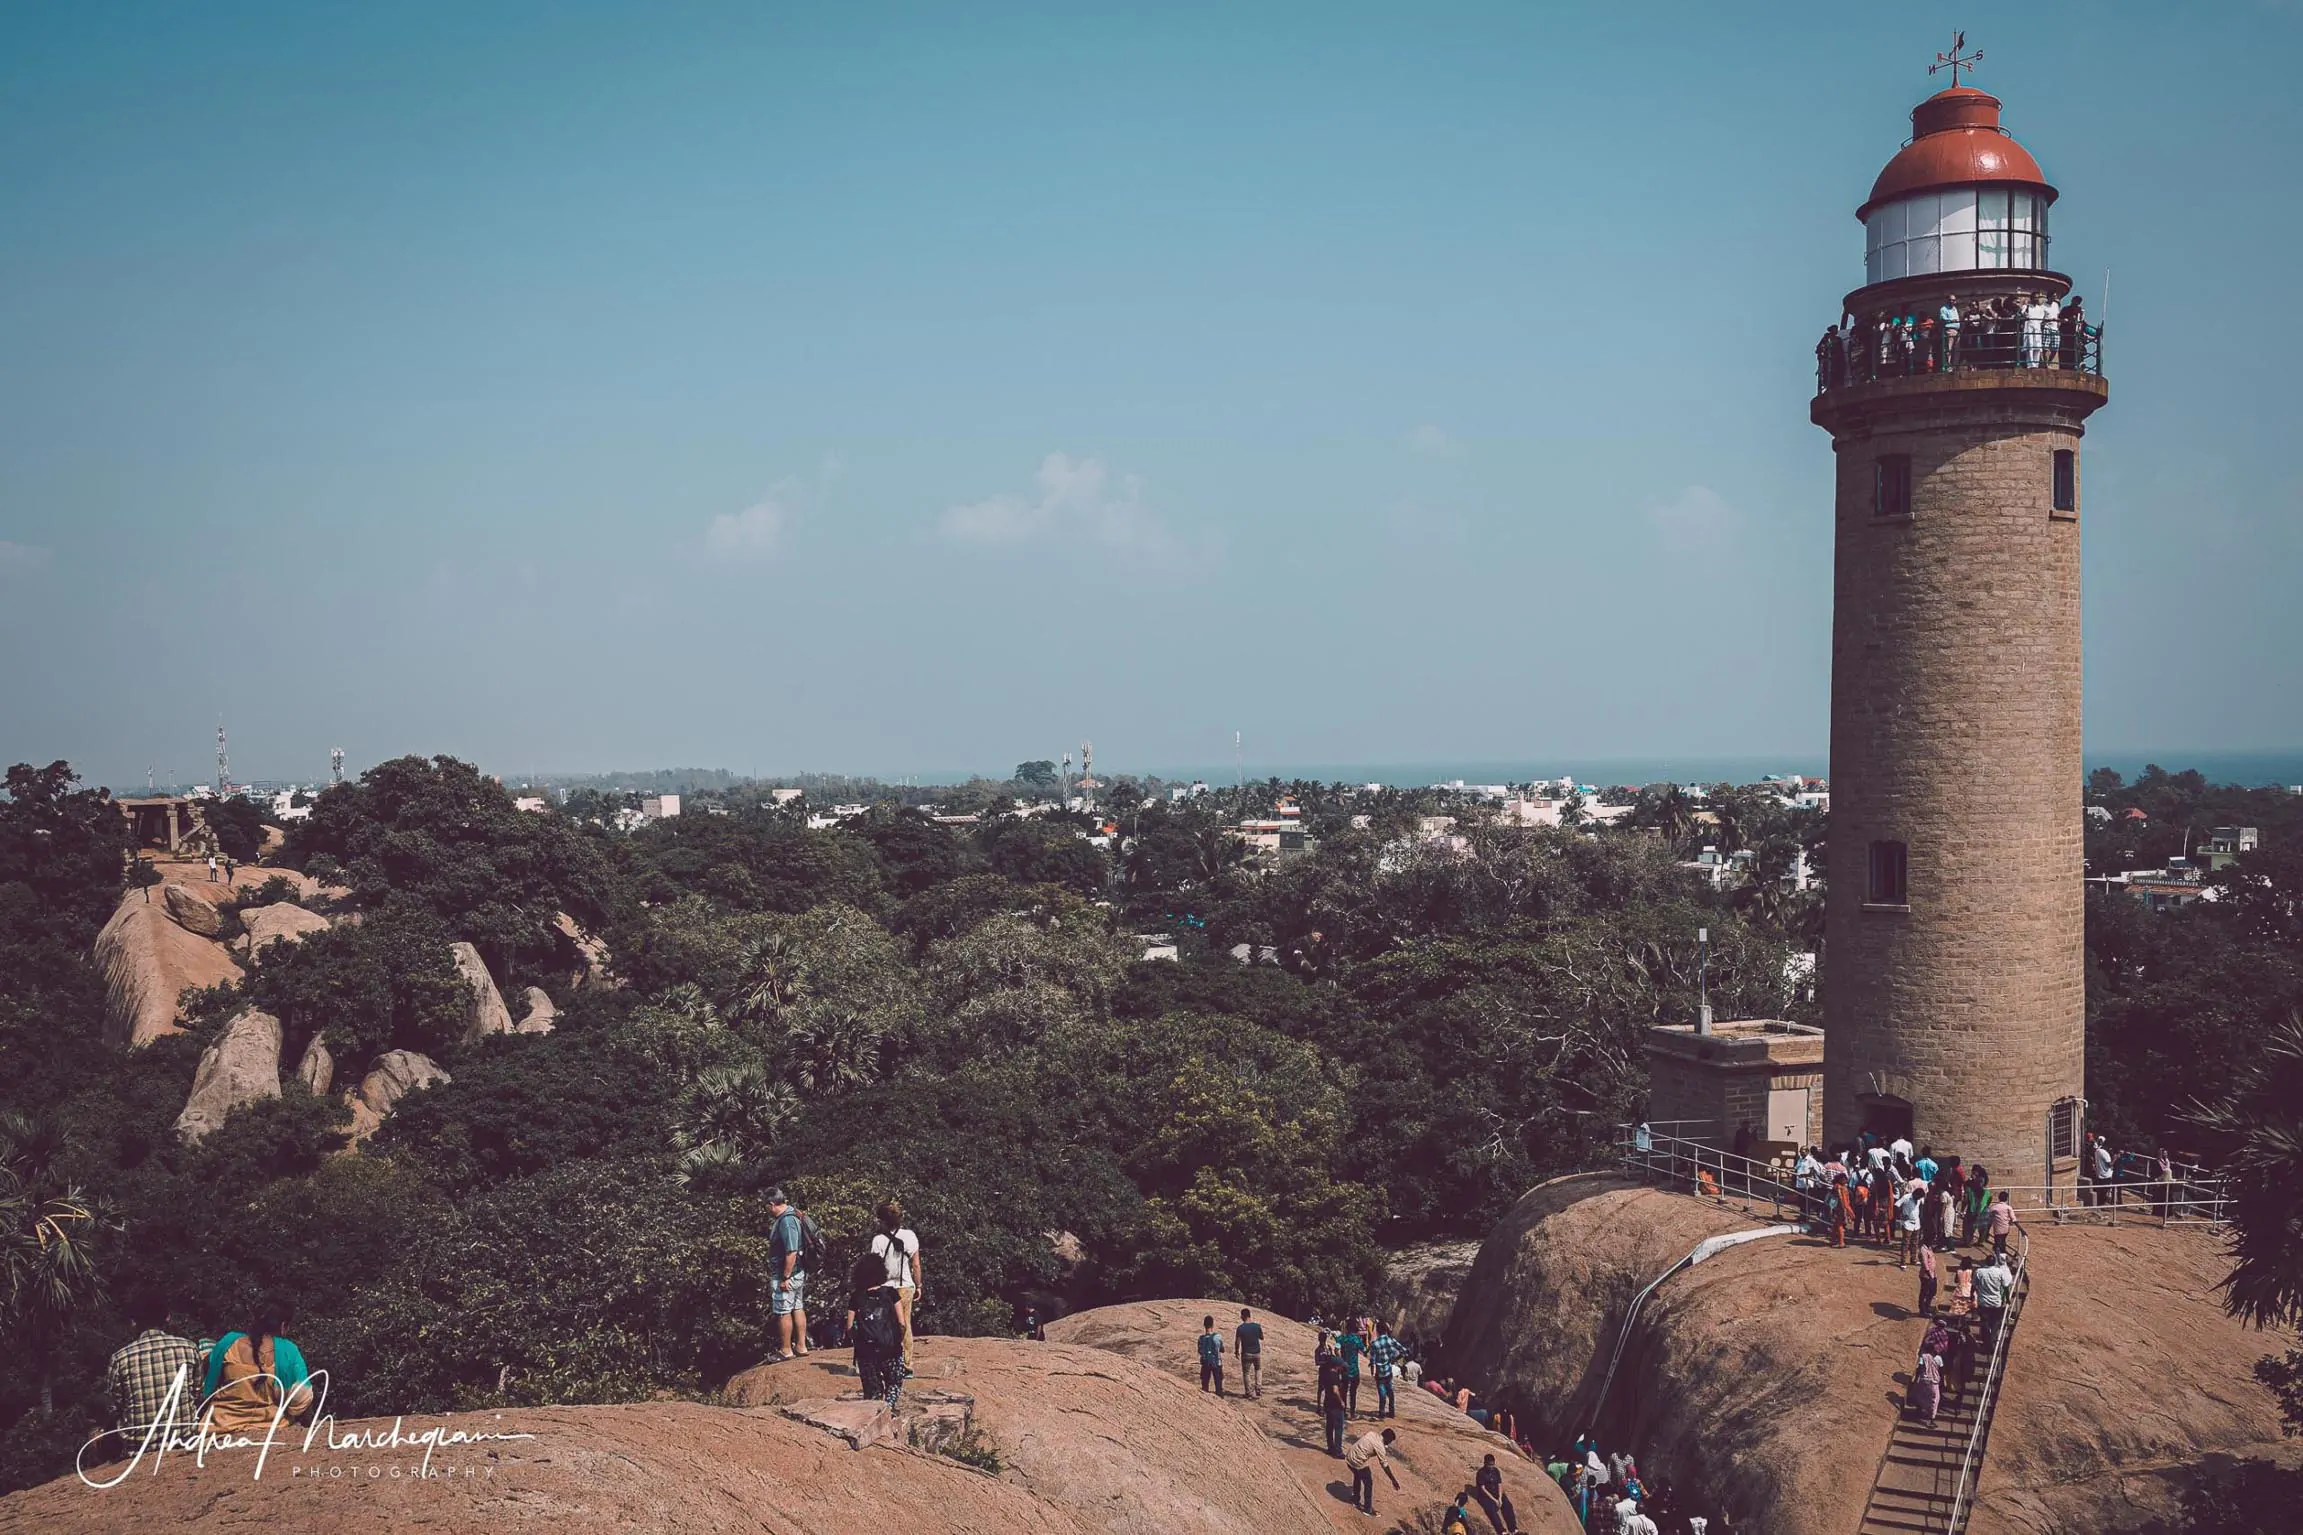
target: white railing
2191 1198
1990 1389
1700 1168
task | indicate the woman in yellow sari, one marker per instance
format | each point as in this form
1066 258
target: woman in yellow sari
249 1373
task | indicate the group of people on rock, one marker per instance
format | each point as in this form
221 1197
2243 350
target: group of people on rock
239 1382
2004 330
883 1289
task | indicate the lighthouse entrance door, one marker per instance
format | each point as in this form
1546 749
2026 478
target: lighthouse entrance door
1888 1118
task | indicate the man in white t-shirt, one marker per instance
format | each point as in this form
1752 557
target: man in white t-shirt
898 1246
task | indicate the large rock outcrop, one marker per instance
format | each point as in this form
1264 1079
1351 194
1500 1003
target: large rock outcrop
396 1074
1420 1284
1090 1441
2122 1366
539 1017
317 1069
147 960
194 911
485 1014
1439 1448
280 922
241 1067
591 953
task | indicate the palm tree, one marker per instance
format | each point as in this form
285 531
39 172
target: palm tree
775 980
743 1110
827 1048
48 1236
2254 1138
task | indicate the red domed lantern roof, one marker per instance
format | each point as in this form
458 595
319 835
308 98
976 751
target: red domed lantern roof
1956 141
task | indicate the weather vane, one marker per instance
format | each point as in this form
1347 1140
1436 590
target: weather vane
1955 61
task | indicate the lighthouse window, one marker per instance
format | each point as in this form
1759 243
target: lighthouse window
2066 480
1891 486
1887 885
1965 230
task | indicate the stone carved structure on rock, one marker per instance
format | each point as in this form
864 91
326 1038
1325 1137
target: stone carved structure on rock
1954 995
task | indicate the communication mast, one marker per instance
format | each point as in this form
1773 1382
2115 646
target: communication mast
335 764
223 763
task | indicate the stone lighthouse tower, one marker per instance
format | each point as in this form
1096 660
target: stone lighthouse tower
1956 390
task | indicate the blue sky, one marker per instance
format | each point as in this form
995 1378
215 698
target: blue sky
899 390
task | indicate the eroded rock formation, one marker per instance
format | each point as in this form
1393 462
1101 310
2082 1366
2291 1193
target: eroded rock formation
485 1014
241 1067
396 1074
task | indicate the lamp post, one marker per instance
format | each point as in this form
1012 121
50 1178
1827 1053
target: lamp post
1703 980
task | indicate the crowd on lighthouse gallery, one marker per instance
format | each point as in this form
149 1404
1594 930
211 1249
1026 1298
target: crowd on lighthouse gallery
2005 330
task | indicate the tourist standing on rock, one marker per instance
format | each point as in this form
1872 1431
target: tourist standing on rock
143 1373
898 1246
1349 1349
1210 1355
211 868
1363 1455
1385 1352
1907 1222
876 1330
789 1298
1331 1404
1247 1341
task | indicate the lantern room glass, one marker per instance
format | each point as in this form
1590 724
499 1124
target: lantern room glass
1967 229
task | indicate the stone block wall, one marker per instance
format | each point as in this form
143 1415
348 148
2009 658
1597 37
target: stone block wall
1955 729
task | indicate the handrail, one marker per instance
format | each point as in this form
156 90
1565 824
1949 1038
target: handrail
1985 1397
1679 1159
1883 348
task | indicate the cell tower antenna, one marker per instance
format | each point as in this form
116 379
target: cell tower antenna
1088 775
335 764
1239 766
223 762
151 777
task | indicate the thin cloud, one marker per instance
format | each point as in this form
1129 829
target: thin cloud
1699 520
754 533
1076 499
23 559
1435 442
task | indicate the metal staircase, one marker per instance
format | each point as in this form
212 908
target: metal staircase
1926 1481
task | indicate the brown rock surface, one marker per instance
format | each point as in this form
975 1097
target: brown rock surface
539 1015
2121 1365
195 913
147 961
1128 1449
396 1074
1438 1447
486 1013
591 952
280 922
1420 1286
242 1066
317 1069
666 1468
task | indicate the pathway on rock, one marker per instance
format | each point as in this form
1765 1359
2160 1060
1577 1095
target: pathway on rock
1917 1483
1439 1448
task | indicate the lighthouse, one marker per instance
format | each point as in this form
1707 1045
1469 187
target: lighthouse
1956 386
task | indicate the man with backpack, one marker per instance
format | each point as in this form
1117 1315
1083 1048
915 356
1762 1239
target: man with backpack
898 1247
788 1255
1210 1355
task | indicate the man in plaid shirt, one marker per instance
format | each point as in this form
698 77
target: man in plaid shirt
1386 1351
142 1374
